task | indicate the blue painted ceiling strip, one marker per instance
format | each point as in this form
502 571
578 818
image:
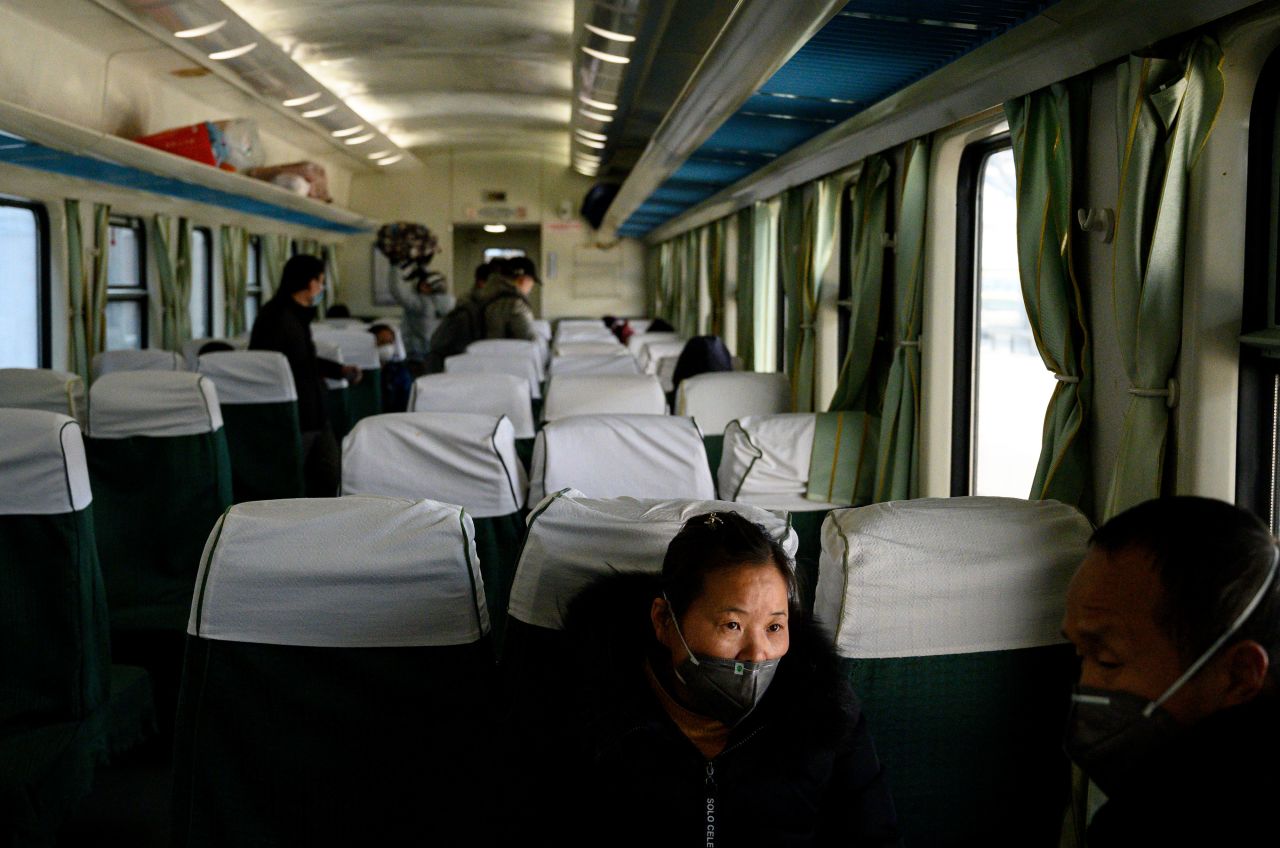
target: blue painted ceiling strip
868 51
27 154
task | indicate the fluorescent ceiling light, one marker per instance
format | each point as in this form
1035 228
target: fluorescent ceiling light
380 154
586 142
392 160
233 52
348 131
596 116
605 57
200 30
591 135
610 34
495 228
323 110
598 104
360 139
303 100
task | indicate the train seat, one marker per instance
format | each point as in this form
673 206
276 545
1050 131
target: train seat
498 363
161 476
191 348
946 616
338 678
581 330
453 457
65 707
599 363
612 456
337 390
515 348
542 329
598 394
486 393
639 325
611 347
653 352
45 389
260 414
147 359
718 397
636 343
358 348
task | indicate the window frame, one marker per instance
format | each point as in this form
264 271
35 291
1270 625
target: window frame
44 293
1257 415
139 293
968 239
207 232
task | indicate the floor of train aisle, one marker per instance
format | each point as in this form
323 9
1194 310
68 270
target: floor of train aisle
130 801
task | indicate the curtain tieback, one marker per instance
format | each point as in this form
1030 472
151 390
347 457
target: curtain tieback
907 343
1066 378
1169 393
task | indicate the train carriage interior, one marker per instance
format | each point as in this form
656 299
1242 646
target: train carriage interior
982 273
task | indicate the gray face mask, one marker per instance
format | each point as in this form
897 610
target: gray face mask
726 690
1112 735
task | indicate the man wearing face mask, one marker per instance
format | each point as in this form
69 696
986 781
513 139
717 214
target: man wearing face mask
284 325
700 709
1175 613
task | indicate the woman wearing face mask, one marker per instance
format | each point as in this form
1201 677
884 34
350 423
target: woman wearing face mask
706 711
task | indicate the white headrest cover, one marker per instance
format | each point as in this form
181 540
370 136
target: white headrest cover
614 456
151 359
355 572
249 376
593 364
358 347
543 329
716 398
191 349
639 325
497 363
42 388
574 540
341 324
43 470
594 394
453 457
766 456
654 352
593 348
510 347
485 393
636 343
153 403
330 351
947 575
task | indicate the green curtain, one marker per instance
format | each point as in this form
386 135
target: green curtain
744 293
806 232
235 277
692 284
1167 108
869 212
1046 126
898 464
765 263
275 252
172 240
87 286
715 275
652 279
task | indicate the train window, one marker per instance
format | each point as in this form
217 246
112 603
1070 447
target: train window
253 281
201 283
1258 418
126 285
1008 387
24 285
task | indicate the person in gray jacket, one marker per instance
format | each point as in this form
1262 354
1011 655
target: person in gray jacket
505 299
425 302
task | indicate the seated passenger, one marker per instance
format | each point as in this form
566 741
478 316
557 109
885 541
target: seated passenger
397 381
1175 614
215 347
338 310
705 708
701 355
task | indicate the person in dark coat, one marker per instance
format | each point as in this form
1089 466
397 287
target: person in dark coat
701 355
284 325
704 710
1175 613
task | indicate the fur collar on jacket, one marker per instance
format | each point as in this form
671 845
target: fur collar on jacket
608 624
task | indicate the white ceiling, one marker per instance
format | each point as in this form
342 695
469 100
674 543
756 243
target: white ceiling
432 73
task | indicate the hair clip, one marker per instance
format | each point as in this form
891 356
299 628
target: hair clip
711 519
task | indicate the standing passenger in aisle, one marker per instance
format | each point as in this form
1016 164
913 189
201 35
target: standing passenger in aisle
505 299
1175 614
283 325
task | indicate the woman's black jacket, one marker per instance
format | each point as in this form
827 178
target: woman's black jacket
614 769
283 325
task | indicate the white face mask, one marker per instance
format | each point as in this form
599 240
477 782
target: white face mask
386 352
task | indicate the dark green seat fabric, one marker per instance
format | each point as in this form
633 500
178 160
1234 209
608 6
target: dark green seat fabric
265 448
364 398
157 498
972 743
808 527
715 448
498 546
524 450
336 410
